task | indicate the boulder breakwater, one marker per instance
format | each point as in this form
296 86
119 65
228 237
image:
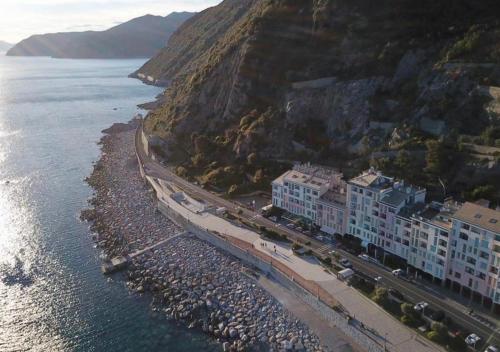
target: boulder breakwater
190 280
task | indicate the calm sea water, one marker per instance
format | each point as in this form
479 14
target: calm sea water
52 294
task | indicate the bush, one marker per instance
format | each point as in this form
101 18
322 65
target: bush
296 246
181 171
438 334
381 296
327 261
407 309
233 190
408 320
457 344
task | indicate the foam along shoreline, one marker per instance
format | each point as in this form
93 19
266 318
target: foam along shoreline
191 280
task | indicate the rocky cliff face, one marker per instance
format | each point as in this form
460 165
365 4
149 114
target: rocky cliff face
293 79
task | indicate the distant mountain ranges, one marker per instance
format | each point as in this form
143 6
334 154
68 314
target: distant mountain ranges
141 37
4 46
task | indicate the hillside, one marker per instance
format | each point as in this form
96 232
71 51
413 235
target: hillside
138 38
4 46
400 84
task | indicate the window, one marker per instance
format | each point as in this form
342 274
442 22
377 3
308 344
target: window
484 255
478 216
465 226
471 260
457 275
463 236
469 270
493 221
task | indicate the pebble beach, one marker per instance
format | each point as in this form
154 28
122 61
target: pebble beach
191 281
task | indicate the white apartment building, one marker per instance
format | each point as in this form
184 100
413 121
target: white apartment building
305 188
374 202
475 251
430 239
457 245
332 213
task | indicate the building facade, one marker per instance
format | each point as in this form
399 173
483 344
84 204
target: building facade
373 203
475 251
457 245
313 192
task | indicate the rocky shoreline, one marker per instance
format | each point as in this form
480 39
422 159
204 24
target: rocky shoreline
190 280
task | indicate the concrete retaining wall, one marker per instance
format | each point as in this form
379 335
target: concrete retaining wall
337 319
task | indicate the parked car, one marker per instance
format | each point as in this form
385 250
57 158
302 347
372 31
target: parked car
438 315
377 279
398 273
363 257
332 252
472 340
420 306
396 294
345 263
492 349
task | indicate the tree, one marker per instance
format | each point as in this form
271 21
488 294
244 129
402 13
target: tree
407 309
381 296
441 158
438 333
252 159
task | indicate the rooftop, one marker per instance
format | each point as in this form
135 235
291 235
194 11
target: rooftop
333 197
438 214
309 180
394 197
372 179
313 176
408 210
479 216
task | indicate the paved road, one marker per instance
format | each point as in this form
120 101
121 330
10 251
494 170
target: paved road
410 290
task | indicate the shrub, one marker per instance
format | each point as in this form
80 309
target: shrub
457 344
181 171
407 309
438 334
296 246
381 296
408 320
252 159
232 191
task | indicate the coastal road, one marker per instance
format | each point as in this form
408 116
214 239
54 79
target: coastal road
411 291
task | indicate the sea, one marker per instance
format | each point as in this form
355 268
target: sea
53 296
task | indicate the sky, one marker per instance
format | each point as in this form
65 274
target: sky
21 18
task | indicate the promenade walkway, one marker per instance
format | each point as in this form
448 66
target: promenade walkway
388 330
